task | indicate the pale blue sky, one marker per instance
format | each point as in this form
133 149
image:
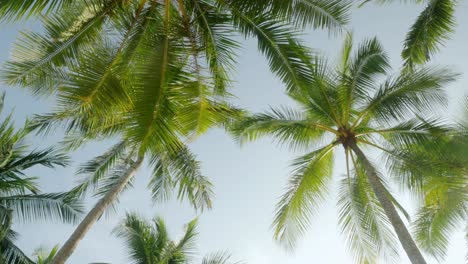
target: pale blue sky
248 180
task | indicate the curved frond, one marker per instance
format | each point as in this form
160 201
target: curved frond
36 56
431 29
180 170
443 212
306 189
28 207
364 223
18 9
97 169
287 57
10 253
287 126
416 92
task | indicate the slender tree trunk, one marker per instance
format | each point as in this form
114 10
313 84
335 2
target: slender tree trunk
380 191
67 249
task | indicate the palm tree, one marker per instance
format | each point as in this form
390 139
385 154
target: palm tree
431 29
150 99
346 106
20 197
149 243
209 27
438 173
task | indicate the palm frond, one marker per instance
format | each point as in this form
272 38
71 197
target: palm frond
306 189
369 61
50 158
18 9
58 206
35 60
417 92
286 125
363 220
287 57
97 169
429 32
442 213
10 253
180 170
143 241
215 33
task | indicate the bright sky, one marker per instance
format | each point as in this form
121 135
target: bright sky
248 180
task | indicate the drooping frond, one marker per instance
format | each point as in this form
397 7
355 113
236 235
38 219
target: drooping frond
328 15
199 111
363 221
431 29
180 170
10 253
48 158
287 57
306 189
443 212
215 33
97 169
28 207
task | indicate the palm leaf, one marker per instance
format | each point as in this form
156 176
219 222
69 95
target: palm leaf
306 189
30 207
431 29
17 9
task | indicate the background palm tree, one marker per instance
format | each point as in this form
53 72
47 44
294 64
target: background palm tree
20 197
429 32
209 27
149 243
438 173
346 106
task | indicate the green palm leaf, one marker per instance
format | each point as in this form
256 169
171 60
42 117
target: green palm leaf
431 29
306 189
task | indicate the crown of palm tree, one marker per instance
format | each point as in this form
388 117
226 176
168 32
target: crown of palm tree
149 243
347 105
20 197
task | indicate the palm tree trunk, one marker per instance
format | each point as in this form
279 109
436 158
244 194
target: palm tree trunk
381 192
67 249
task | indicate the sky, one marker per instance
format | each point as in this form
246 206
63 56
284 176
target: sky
248 179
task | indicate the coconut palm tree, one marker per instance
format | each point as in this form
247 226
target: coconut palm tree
209 27
346 106
20 197
431 29
438 173
149 243
151 101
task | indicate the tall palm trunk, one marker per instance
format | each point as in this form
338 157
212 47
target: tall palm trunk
381 192
67 249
